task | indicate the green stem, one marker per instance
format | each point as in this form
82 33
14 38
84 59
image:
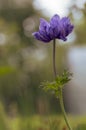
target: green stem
63 110
60 94
54 63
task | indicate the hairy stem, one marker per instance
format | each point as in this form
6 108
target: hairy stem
60 94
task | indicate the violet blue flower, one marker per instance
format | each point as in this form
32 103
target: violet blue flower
57 28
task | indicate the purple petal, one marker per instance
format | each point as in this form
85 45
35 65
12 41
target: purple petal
55 25
50 33
55 20
38 36
65 21
44 25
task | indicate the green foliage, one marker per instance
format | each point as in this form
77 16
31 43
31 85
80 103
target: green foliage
54 124
6 70
2 118
50 122
64 78
58 83
81 127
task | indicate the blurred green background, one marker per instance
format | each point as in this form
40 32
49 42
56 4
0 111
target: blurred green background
26 62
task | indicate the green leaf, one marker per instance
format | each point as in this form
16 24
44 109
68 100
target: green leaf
59 82
51 87
64 78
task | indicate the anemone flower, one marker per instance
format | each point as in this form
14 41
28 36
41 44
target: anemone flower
57 28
